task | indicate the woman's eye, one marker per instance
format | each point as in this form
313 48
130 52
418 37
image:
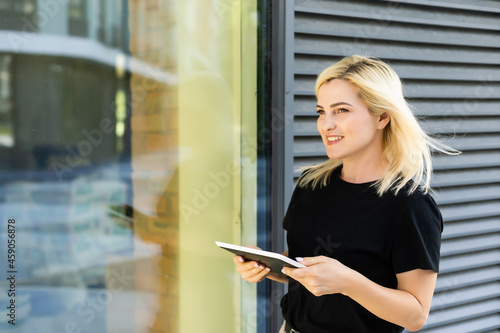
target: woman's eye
320 112
342 110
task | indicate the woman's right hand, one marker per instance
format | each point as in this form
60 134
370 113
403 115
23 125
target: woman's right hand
251 271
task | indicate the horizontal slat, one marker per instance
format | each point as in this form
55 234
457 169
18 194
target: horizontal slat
472 141
465 177
467 160
449 282
452 90
390 50
469 261
401 14
461 125
468 194
466 5
312 65
470 211
313 24
471 227
304 85
305 125
308 144
440 317
305 162
481 324
470 244
445 72
460 107
466 295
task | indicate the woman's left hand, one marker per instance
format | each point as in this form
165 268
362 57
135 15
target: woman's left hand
322 276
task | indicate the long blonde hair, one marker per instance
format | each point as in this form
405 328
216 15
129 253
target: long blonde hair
406 146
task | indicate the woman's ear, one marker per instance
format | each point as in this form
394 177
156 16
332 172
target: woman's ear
383 120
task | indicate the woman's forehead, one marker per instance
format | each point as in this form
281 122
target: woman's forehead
336 91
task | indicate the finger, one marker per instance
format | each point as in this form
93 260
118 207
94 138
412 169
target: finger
249 266
244 266
259 276
288 271
295 273
238 259
250 275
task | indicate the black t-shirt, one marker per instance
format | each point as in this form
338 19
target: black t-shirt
376 236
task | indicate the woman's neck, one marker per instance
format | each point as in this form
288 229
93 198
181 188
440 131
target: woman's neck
362 172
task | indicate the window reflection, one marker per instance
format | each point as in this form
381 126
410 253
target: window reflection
19 6
120 143
77 13
65 164
6 117
14 13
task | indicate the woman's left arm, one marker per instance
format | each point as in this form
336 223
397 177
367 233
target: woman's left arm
407 306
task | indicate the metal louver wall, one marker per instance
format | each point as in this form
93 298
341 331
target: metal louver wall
448 54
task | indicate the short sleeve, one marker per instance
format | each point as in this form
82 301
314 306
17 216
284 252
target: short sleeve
417 239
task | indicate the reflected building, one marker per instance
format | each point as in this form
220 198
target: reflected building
96 171
65 167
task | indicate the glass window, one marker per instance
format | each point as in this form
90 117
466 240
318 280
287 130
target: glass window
76 9
19 6
128 147
6 117
77 15
18 15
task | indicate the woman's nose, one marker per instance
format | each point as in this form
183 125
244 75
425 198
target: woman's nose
329 123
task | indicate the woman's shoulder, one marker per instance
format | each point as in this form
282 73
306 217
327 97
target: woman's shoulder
417 198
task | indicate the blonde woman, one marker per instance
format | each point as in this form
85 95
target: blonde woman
362 222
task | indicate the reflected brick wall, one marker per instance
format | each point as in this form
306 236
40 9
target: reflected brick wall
154 161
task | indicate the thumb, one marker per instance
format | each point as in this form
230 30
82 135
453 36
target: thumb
310 261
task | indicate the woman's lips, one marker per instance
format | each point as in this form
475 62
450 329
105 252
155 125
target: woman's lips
333 138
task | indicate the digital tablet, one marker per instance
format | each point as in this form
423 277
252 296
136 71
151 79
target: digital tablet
273 260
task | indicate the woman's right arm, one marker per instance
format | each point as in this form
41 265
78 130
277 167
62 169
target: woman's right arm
253 271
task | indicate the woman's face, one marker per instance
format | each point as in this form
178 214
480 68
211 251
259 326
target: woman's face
349 130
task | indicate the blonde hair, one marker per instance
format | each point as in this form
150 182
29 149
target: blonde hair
406 146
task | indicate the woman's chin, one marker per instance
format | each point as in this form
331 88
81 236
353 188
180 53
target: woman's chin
333 156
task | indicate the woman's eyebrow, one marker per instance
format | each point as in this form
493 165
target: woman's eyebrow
339 103
333 105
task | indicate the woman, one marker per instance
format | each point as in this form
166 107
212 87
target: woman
362 222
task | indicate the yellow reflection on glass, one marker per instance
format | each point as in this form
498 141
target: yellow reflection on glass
188 104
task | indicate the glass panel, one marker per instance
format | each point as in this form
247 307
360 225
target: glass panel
128 147
20 6
76 9
6 117
18 15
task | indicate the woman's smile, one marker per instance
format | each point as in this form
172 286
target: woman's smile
333 138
